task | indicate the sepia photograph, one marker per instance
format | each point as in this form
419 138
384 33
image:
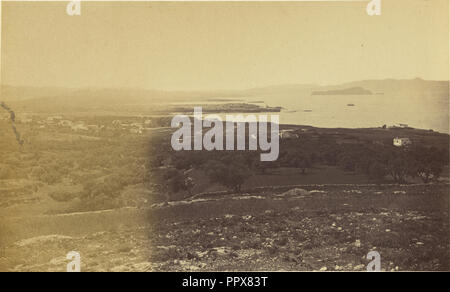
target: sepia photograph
224 136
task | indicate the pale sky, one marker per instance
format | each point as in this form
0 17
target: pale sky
198 46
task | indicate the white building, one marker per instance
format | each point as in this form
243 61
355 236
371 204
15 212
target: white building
136 131
24 120
65 123
400 142
287 134
54 118
79 127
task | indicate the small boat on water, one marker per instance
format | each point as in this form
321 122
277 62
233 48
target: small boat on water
350 104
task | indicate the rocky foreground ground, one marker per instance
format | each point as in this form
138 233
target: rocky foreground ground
329 229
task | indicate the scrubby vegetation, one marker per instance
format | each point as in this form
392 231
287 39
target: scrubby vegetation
378 162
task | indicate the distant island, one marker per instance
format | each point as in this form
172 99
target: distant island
347 91
227 108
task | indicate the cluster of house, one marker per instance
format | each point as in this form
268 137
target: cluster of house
74 126
399 126
81 126
134 128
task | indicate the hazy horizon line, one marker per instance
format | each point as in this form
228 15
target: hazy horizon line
218 89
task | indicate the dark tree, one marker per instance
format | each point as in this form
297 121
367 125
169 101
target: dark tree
377 171
301 161
428 163
400 166
231 175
